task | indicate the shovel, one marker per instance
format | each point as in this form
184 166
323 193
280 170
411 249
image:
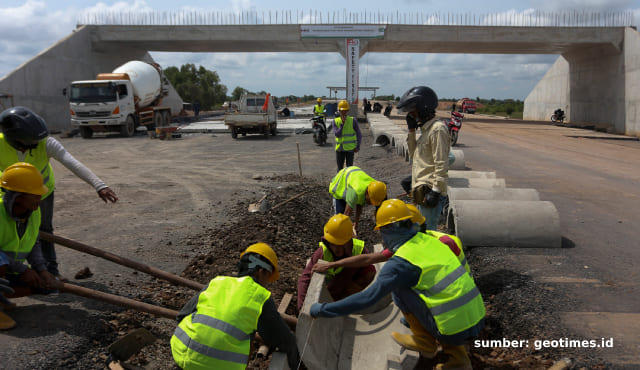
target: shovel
259 206
129 345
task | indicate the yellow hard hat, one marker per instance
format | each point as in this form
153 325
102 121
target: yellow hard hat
23 178
338 230
416 216
392 210
343 105
319 100
377 192
265 251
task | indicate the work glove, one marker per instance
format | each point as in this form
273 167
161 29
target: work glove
315 309
411 122
431 199
5 288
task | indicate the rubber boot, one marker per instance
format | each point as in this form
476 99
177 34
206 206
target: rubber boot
6 322
458 358
420 340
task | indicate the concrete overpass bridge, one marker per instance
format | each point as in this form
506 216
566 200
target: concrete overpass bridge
596 78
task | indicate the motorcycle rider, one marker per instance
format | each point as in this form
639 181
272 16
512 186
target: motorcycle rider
429 154
318 109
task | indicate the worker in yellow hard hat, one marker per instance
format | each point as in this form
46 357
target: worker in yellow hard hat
336 244
217 325
436 295
318 109
21 191
348 135
352 188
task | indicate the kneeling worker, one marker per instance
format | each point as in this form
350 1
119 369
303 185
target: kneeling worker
436 295
337 244
217 325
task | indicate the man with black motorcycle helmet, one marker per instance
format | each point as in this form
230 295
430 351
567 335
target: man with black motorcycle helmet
429 154
24 137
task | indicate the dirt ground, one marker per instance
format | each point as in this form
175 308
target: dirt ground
183 208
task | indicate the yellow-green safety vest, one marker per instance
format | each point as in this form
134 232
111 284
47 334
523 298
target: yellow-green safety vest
37 157
319 110
461 257
327 255
348 141
444 285
18 248
218 334
350 177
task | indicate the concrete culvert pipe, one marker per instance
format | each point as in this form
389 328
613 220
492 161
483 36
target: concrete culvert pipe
472 174
458 163
492 194
461 182
382 140
505 223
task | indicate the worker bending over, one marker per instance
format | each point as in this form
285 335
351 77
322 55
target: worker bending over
337 244
436 295
21 190
352 188
217 325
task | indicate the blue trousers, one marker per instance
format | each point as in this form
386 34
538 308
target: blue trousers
432 215
46 225
341 157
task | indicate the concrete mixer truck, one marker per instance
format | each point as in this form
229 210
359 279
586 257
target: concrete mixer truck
120 101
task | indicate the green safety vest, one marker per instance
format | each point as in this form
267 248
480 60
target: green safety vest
13 246
352 177
319 110
348 141
461 257
218 334
444 285
37 157
327 255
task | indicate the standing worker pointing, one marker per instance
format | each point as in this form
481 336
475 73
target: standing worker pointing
25 138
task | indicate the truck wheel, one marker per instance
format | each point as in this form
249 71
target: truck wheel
234 133
86 132
166 118
128 129
274 130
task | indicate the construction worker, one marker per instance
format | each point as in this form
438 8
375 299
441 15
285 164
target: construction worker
25 138
21 191
338 243
436 295
352 188
348 136
429 154
318 109
452 241
217 325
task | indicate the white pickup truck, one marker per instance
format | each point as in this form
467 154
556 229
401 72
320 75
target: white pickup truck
254 116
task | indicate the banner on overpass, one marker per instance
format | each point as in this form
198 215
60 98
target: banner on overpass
360 31
353 65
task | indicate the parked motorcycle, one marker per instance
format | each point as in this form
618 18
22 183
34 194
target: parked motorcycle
455 124
558 116
319 130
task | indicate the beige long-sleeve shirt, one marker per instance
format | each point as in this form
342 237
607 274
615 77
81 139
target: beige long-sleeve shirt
430 156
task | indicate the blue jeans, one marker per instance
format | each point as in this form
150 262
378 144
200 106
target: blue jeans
339 205
432 215
408 301
46 225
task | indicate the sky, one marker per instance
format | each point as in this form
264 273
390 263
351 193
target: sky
29 27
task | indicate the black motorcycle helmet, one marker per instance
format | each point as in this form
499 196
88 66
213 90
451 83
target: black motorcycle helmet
22 128
420 98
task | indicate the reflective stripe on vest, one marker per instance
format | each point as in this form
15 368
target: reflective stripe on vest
37 157
327 255
13 246
352 177
319 110
444 285
348 140
217 336
462 258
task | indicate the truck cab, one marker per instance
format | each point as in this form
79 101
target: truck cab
466 105
257 114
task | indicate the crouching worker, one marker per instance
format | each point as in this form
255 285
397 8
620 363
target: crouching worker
337 244
217 325
21 191
436 295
